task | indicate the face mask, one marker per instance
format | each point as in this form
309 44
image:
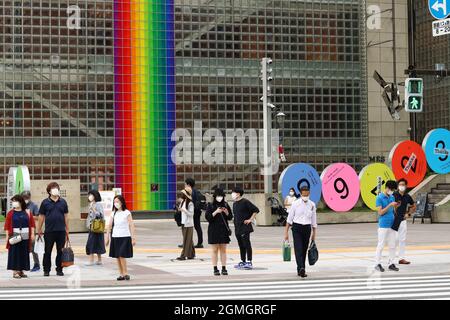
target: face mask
291 193
16 205
27 201
234 195
390 192
402 188
305 198
219 199
117 205
55 192
91 198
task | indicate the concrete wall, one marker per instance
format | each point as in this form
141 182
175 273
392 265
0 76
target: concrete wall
384 132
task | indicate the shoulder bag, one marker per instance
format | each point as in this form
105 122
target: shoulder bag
226 225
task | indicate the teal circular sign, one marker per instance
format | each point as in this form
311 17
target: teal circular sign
436 145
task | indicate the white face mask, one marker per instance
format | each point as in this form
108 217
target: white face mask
16 205
91 198
305 198
234 196
117 205
292 193
402 188
54 192
27 201
219 199
390 192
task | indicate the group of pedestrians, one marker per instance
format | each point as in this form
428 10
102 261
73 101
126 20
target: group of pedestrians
393 205
52 228
218 213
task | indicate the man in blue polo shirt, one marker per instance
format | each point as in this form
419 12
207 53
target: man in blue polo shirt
386 206
55 213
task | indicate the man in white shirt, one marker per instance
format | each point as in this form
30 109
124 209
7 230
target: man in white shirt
303 220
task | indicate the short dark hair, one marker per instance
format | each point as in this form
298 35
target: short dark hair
26 194
391 184
96 195
218 192
190 182
52 185
304 188
21 200
122 201
238 190
402 180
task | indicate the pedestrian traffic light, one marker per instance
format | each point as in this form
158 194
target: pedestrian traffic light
414 95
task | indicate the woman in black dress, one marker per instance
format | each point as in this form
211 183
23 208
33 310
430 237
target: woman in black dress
218 214
96 241
19 222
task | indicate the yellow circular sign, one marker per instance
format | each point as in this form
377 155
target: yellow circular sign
372 179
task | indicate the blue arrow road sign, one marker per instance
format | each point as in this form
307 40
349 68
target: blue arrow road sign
440 9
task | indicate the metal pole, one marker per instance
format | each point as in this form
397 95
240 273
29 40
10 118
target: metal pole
267 129
412 59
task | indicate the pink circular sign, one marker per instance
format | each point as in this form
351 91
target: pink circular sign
340 187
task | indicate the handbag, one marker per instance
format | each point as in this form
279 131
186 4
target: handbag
98 225
39 246
313 253
67 256
286 251
15 239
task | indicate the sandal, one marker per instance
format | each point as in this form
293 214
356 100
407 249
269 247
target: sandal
16 276
23 275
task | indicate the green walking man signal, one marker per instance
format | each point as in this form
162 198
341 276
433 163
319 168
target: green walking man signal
414 95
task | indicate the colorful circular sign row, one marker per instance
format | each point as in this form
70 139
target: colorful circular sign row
340 185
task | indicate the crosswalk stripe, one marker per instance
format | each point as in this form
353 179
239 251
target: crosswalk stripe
305 287
412 289
303 283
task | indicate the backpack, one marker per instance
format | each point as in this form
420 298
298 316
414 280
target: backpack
200 202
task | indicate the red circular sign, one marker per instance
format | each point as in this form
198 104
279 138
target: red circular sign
408 161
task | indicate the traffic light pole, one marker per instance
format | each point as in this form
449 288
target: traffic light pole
267 129
412 59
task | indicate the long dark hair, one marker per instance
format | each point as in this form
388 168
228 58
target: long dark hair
21 200
122 201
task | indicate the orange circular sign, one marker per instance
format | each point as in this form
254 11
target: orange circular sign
408 161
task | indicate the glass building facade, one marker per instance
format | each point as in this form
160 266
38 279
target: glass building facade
430 51
97 99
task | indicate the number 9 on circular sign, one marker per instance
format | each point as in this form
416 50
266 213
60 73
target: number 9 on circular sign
340 187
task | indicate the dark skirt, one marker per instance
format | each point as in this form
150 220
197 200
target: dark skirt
218 235
121 248
19 256
95 243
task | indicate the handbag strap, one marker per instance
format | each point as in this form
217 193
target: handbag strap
226 224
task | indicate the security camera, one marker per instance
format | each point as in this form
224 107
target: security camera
269 79
269 61
271 105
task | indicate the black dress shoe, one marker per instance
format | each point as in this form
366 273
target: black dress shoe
302 273
392 267
181 258
180 246
120 278
46 274
199 246
60 273
379 267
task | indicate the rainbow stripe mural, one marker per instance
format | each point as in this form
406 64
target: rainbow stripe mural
144 102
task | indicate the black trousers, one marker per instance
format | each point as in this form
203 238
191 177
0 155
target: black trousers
245 247
198 228
301 234
50 238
